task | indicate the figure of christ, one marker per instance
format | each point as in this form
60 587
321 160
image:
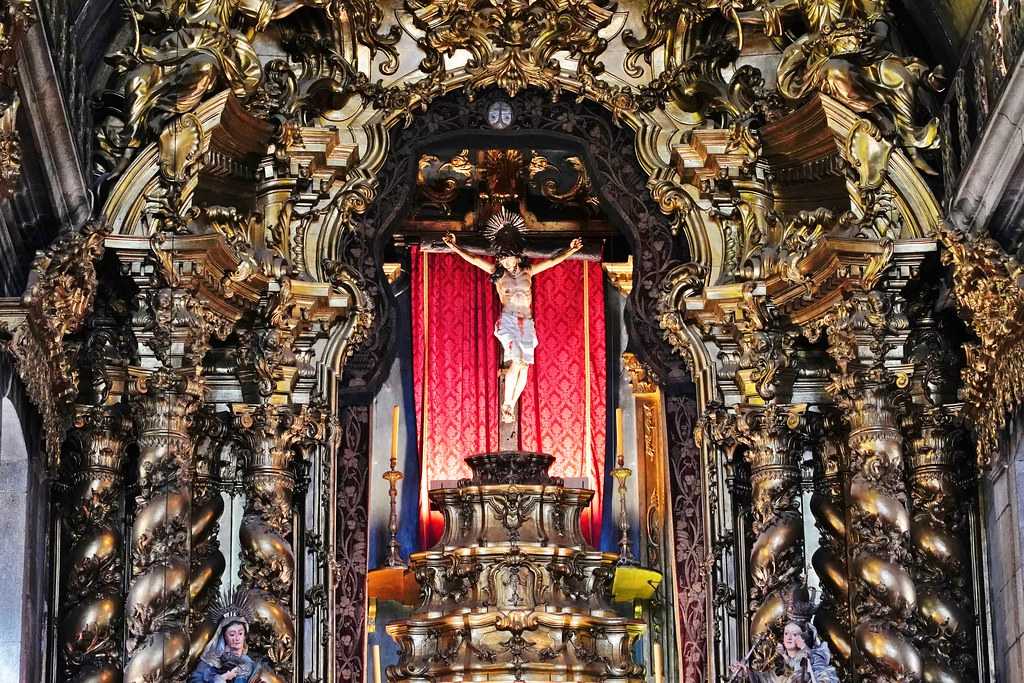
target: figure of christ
512 274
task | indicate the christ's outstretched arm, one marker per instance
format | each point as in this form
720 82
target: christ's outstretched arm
541 266
482 264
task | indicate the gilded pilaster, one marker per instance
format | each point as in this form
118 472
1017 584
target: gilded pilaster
883 597
93 605
159 597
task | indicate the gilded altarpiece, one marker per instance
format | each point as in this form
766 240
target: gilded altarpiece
208 418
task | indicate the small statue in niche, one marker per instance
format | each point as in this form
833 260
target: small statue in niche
512 274
226 657
803 657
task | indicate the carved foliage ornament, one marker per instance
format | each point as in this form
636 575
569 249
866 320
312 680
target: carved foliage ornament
988 285
16 17
512 43
60 293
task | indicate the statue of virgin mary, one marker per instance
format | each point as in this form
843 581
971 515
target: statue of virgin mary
226 657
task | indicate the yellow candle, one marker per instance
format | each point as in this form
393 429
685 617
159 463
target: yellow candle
376 648
394 437
656 656
618 435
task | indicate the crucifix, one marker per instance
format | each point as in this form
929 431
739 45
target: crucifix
512 275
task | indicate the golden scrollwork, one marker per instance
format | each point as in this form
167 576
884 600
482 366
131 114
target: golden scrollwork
60 293
988 288
512 44
451 176
17 18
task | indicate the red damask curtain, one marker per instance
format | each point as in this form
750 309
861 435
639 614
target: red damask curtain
456 358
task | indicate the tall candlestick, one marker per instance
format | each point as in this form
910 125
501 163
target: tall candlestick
621 474
394 437
619 453
393 476
376 664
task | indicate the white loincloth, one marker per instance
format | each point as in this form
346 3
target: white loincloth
517 342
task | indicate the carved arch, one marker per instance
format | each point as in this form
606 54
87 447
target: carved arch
619 178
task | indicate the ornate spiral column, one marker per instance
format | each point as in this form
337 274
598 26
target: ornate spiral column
940 559
883 596
777 557
208 562
191 288
159 597
93 607
272 435
828 505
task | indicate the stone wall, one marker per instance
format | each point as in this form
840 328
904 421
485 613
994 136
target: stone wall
1004 530
23 548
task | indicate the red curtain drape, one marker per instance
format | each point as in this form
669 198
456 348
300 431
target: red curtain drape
456 358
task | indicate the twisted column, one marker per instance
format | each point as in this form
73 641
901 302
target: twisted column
941 560
272 434
207 506
93 605
882 594
159 596
885 597
777 556
828 505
